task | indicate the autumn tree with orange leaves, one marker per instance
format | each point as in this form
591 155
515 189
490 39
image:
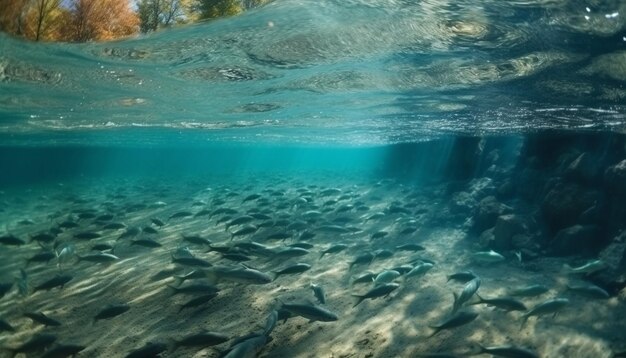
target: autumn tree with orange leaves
73 20
97 20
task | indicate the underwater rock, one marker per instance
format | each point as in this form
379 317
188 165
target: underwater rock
564 203
487 212
613 278
615 177
508 226
584 168
577 239
462 202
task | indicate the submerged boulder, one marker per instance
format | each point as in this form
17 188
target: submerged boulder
615 177
507 227
564 203
583 169
487 212
577 240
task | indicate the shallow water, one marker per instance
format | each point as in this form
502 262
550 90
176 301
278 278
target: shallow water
462 127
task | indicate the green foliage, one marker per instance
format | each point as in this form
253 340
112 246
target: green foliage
210 9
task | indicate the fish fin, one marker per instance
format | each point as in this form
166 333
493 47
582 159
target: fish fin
322 255
454 304
436 330
359 300
524 319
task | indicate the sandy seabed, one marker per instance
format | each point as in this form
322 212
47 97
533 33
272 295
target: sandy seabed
394 326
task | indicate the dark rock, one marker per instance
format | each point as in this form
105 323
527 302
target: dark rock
583 169
613 279
564 204
487 213
462 202
577 240
508 226
486 238
615 177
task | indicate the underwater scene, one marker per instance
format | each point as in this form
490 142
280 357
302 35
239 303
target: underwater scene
340 178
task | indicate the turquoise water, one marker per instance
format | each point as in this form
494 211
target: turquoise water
237 154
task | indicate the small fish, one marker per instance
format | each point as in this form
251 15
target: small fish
386 276
383 254
194 289
462 277
419 270
100 257
191 261
588 268
203 339
150 350
150 230
363 259
240 275
22 284
410 247
251 197
334 249
589 290
303 245
130 232
318 292
158 222
111 311
43 237
239 220
41 318
102 247
468 291
145 243
64 351
488 257
505 303
312 312
57 281
180 215
196 240
507 351
113 226
11 240
293 269
379 234
195 302
458 319
291 252
87 235
270 322
246 347
37 343
552 306
246 230
367 277
378 291
529 291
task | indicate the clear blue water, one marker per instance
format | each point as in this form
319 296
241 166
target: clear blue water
460 126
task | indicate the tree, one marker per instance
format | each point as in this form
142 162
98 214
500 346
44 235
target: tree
34 19
100 20
210 9
154 14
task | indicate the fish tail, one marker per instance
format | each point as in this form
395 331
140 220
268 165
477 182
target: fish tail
436 330
524 319
359 300
322 255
